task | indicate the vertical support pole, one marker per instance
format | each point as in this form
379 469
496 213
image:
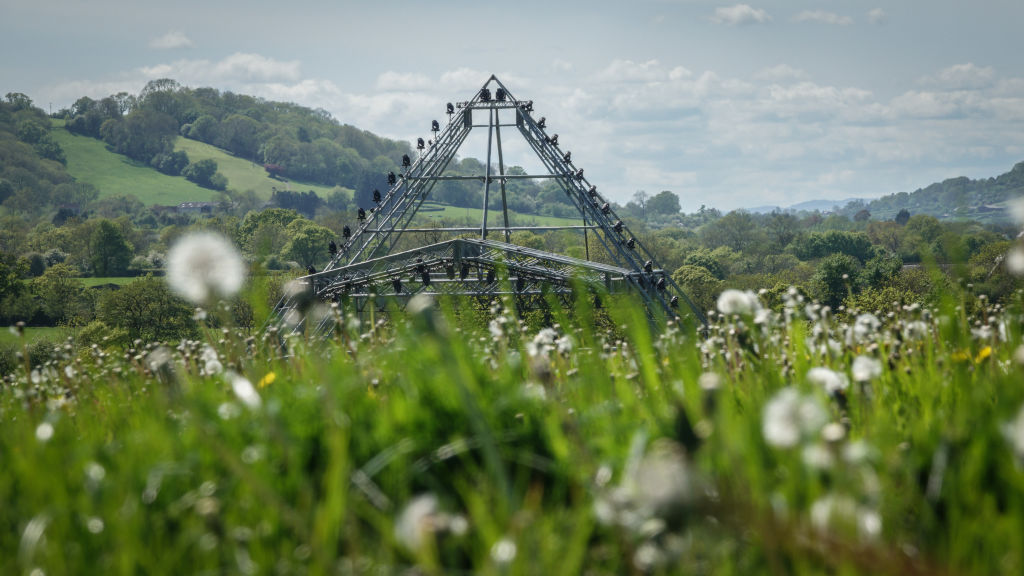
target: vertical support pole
586 240
501 174
487 177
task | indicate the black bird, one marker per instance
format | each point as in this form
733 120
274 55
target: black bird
376 196
451 108
346 232
361 214
332 248
434 125
392 178
419 144
406 162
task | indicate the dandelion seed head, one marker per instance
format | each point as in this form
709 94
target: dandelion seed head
1016 209
1013 431
829 380
244 390
211 361
1014 261
740 302
44 432
817 456
788 417
422 519
504 551
663 479
866 368
203 265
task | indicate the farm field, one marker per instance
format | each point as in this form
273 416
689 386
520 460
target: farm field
243 174
473 216
8 335
115 175
790 440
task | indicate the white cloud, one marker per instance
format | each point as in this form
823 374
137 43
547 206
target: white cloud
559 65
629 71
780 73
962 77
877 16
739 15
396 82
171 40
823 17
238 67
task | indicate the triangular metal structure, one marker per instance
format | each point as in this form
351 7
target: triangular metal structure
368 268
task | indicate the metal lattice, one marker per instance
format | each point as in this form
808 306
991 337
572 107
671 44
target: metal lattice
368 269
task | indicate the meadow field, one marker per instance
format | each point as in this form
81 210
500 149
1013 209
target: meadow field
789 439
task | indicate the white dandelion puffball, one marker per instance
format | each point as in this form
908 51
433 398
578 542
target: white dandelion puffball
1014 261
738 302
831 381
866 368
204 264
788 417
1013 431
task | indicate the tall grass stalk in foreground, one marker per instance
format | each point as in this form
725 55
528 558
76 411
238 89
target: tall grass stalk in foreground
792 440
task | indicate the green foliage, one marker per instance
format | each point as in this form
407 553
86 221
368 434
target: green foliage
103 336
61 295
140 135
110 251
880 270
665 202
736 230
814 245
204 173
699 284
704 259
307 242
835 279
146 309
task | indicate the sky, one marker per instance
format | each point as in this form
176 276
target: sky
729 105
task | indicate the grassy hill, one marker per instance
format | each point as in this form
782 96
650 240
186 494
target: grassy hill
243 174
114 174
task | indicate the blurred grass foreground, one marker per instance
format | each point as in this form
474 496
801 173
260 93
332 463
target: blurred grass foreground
791 440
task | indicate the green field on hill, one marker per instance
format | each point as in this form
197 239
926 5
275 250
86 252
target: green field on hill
115 175
243 174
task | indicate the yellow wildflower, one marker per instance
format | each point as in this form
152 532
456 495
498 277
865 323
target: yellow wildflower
267 380
982 354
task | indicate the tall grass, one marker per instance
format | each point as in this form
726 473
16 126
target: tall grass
430 443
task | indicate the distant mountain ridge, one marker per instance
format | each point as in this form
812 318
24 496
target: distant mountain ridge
808 206
960 198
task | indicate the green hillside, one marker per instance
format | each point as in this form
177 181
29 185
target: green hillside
242 174
981 200
90 161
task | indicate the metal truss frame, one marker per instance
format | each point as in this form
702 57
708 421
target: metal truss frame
366 268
